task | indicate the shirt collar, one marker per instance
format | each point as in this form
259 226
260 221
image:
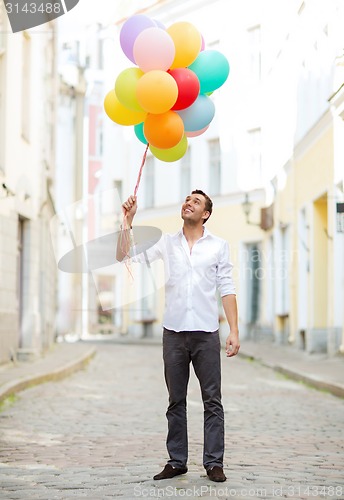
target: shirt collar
205 233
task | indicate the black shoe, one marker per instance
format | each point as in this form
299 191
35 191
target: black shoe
216 474
168 472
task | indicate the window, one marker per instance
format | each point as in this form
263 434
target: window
106 302
254 41
214 167
118 185
100 46
118 197
254 277
185 175
99 138
25 92
255 155
149 182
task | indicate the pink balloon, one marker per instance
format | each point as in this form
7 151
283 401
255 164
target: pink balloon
197 132
130 31
154 49
202 44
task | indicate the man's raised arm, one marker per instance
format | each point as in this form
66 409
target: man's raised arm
123 243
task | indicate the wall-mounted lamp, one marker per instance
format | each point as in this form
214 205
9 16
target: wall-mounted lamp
247 206
5 191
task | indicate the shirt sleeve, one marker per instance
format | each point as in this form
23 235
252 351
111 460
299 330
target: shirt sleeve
147 255
224 279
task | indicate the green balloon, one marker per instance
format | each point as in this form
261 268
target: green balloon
212 70
138 129
171 154
125 87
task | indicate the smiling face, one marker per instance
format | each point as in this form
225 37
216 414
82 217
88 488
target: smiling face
194 210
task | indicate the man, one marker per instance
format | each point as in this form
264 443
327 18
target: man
198 264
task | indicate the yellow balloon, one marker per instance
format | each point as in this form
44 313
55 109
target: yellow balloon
157 91
125 88
187 40
171 154
119 113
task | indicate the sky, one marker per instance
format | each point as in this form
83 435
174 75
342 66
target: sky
103 11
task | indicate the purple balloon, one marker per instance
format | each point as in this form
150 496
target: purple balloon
159 24
130 30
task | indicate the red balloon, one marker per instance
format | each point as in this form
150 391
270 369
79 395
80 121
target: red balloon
188 87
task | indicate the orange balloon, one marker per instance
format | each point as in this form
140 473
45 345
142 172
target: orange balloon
156 91
163 131
119 113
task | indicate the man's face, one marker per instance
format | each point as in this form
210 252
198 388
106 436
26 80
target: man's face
193 209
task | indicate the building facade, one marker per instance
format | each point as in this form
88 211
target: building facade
272 162
70 179
27 164
271 159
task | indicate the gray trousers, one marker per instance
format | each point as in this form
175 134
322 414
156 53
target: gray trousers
203 350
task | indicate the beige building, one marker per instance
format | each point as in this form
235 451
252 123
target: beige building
27 152
308 185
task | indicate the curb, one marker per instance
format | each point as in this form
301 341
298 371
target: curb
321 385
18 385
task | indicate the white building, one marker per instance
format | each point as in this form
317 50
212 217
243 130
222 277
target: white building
27 152
70 179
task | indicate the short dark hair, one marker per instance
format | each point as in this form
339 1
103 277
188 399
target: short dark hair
208 202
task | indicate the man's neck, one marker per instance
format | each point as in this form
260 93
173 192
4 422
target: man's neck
193 233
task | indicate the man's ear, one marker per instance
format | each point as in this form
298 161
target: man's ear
207 215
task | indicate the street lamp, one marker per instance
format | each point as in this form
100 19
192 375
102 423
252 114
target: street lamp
247 206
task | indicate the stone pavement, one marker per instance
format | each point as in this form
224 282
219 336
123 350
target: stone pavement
62 360
100 433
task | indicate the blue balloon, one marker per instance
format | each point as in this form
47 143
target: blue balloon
212 70
198 115
139 132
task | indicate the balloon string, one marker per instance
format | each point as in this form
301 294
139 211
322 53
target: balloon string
140 171
125 236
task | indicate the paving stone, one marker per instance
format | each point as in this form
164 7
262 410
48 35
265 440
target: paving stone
101 434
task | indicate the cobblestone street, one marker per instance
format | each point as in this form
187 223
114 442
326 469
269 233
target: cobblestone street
101 434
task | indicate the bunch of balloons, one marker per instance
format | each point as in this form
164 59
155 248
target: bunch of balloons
166 94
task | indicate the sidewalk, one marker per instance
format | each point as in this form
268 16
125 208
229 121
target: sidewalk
316 370
62 360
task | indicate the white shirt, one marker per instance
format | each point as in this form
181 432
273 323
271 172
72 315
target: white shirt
192 279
